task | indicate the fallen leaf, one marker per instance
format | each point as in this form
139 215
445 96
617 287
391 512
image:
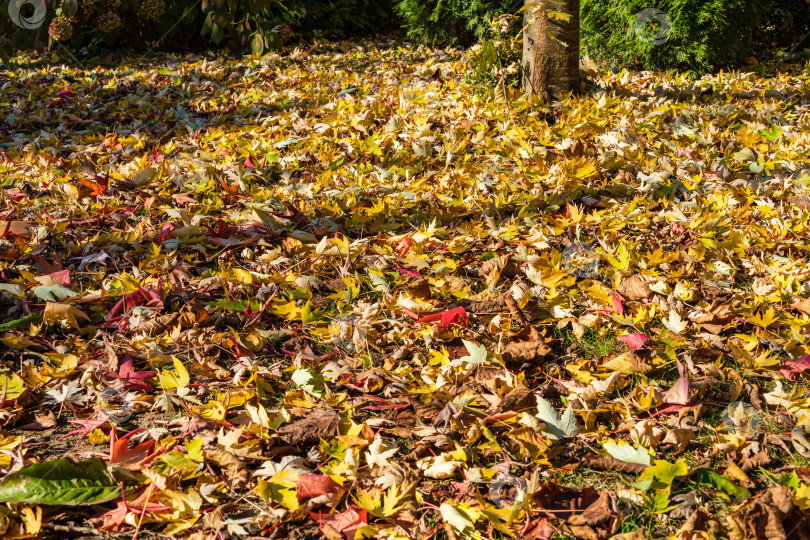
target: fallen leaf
55 313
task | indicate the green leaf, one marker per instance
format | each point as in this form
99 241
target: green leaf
627 453
478 353
306 313
60 482
178 460
559 15
217 33
309 381
20 323
745 155
16 290
721 482
664 472
53 293
70 7
556 429
771 134
257 43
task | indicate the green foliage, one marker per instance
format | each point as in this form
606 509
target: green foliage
341 18
60 482
704 35
451 22
787 22
243 26
246 25
495 64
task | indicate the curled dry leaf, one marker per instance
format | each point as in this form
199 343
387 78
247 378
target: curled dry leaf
609 463
769 514
501 266
525 352
636 288
312 428
234 470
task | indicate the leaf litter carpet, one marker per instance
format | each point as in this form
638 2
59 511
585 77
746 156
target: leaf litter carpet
331 294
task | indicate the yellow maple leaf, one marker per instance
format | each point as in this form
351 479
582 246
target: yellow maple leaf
764 320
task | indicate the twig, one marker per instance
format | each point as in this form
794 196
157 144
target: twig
798 43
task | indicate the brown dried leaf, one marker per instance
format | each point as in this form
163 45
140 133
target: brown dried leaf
527 351
802 304
760 459
515 311
754 395
636 288
609 463
589 513
41 421
518 398
192 313
235 471
158 325
679 437
598 512
699 521
420 290
312 428
529 441
736 473
800 442
496 268
55 313
800 201
686 504
764 515
488 307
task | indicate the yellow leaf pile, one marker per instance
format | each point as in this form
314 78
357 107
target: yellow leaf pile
330 290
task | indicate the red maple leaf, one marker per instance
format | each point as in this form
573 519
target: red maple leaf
115 518
135 380
146 296
445 318
346 522
635 341
98 185
792 367
131 458
89 425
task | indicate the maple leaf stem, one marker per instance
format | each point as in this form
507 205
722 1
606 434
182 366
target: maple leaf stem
143 512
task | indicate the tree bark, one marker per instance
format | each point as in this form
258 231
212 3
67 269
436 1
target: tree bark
551 48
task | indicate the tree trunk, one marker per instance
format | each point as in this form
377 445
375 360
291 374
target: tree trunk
551 47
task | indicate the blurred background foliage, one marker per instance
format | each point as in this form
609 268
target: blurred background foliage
705 36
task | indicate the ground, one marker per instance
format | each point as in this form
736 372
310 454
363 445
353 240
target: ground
330 293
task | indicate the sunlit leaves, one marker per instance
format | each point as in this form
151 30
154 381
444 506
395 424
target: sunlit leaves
362 276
